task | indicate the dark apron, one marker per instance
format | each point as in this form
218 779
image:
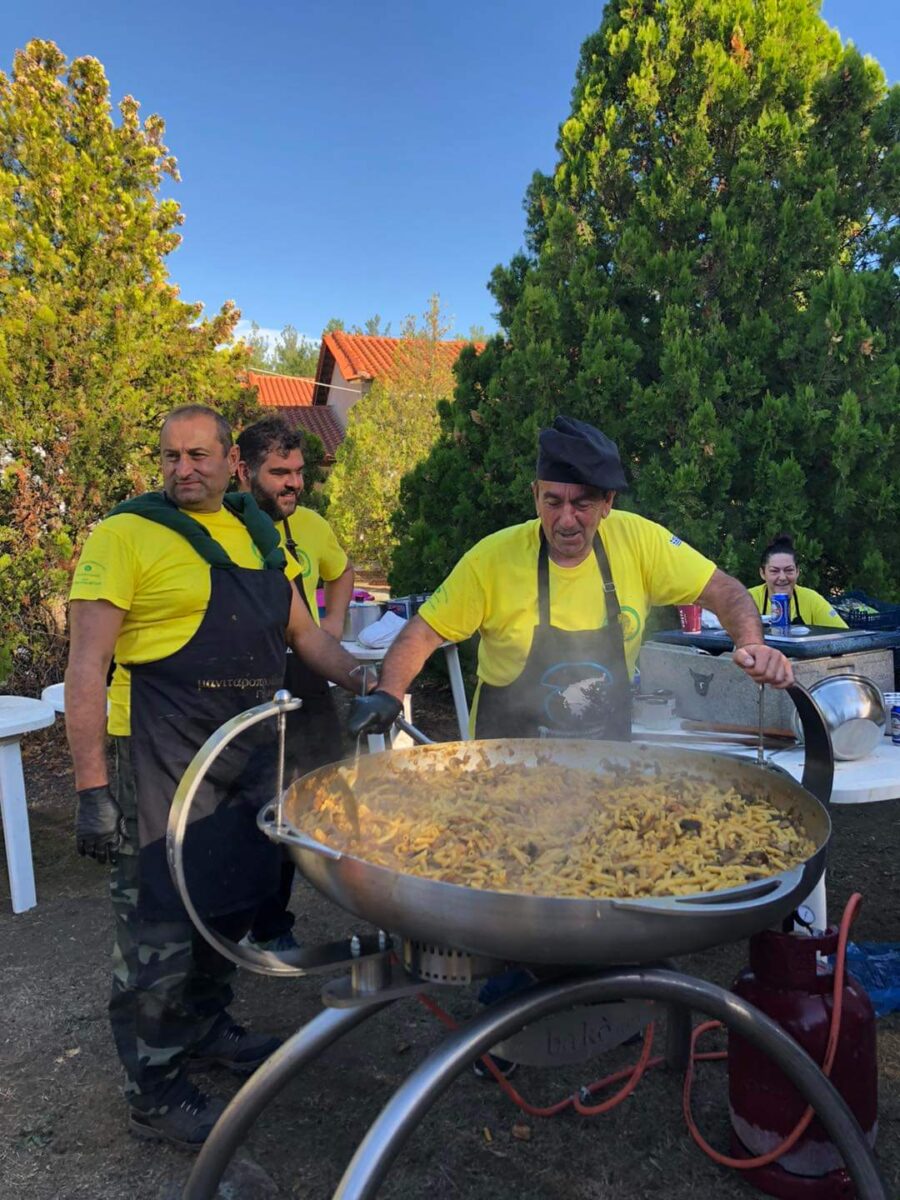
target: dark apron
312 733
234 661
574 683
795 601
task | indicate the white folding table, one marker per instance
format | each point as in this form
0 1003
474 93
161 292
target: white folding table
55 696
366 654
18 715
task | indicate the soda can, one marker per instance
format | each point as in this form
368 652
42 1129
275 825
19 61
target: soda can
781 613
895 724
401 605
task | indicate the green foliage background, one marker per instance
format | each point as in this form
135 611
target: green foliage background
314 474
95 343
290 354
710 275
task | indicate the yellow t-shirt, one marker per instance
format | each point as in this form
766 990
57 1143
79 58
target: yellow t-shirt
162 584
813 608
321 555
493 589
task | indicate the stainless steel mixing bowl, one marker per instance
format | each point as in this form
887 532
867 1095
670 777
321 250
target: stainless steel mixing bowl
853 708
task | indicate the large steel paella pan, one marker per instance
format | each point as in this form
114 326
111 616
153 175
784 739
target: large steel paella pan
595 930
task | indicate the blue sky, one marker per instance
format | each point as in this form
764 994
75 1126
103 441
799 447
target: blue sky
351 159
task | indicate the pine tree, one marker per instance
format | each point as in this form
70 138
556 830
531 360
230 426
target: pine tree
289 354
710 275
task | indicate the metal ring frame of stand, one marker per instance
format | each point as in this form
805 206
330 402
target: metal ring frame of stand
306 960
412 1101
303 961
414 1098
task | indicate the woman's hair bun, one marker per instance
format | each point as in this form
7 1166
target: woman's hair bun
783 543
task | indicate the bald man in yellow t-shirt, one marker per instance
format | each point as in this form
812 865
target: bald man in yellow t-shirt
187 589
561 604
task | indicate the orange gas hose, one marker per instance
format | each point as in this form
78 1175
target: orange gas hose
594 1110
633 1075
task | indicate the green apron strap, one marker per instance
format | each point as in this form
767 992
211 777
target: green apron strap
260 527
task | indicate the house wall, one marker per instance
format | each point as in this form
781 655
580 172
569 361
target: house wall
340 401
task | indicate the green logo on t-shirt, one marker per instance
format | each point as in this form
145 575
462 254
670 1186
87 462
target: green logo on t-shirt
630 620
89 574
303 561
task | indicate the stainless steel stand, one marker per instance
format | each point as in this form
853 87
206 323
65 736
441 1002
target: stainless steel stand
414 1098
261 1089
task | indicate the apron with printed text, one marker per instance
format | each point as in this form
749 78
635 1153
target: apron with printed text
234 661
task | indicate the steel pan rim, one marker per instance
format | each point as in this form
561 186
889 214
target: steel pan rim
593 939
575 902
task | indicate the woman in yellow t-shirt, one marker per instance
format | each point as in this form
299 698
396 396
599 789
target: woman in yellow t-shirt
779 572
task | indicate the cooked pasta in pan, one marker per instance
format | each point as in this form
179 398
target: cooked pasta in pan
551 830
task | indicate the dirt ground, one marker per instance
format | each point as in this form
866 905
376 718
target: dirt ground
62 1119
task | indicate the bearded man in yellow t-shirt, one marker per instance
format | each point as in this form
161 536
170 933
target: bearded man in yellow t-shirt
561 604
189 589
270 468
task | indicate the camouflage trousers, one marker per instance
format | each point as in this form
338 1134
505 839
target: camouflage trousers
170 987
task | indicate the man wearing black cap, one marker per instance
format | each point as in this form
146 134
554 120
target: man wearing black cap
561 604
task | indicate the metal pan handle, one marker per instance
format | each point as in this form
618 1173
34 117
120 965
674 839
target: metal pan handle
267 820
306 960
818 756
745 898
416 734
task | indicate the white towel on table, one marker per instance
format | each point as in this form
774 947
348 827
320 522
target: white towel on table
381 632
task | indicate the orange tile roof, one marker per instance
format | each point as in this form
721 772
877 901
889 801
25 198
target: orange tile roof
281 391
361 356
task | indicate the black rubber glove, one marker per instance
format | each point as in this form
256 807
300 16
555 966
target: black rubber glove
374 713
99 824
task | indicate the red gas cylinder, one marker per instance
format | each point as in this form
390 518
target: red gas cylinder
787 982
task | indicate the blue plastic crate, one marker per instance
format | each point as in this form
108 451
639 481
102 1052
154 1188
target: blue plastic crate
883 616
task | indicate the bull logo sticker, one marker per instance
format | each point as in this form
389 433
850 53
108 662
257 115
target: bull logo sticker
701 681
580 696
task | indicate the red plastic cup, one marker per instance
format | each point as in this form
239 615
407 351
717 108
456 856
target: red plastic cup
689 615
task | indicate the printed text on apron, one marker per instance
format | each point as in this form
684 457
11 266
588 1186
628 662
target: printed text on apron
234 661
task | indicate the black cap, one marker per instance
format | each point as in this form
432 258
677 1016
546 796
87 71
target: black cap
574 452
